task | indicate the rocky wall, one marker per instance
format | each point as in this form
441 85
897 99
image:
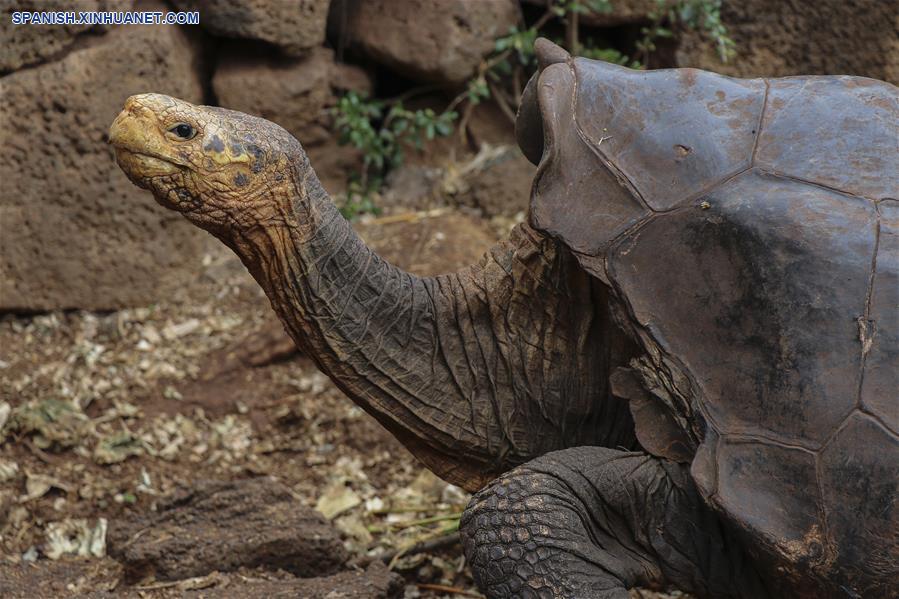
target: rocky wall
74 233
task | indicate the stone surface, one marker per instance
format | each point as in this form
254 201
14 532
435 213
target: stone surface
435 40
623 12
76 232
222 526
501 185
294 93
333 163
775 39
25 45
295 26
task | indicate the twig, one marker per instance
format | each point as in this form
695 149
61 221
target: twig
406 217
41 454
421 522
501 101
442 588
411 93
463 122
517 88
544 19
441 542
408 509
571 31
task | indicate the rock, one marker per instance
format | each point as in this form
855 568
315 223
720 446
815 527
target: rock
294 26
333 162
76 232
222 526
487 124
268 344
623 12
295 93
435 40
413 187
497 182
775 39
25 45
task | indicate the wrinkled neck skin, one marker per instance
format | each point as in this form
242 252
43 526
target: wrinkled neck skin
475 372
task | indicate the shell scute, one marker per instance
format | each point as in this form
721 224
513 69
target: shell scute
860 484
758 297
879 334
674 132
840 132
576 197
774 489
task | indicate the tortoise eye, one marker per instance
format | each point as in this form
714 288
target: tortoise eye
183 130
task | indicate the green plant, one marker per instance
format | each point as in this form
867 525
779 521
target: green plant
595 52
382 130
698 15
705 16
521 41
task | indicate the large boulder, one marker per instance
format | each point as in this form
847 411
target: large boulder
497 182
435 40
226 525
775 38
619 12
75 232
295 93
25 45
295 26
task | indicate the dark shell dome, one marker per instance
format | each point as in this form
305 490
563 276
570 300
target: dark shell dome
750 229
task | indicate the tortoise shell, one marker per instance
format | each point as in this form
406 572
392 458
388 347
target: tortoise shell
750 232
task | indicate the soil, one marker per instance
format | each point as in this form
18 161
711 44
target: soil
110 415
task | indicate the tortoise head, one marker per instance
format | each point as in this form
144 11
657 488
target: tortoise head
222 169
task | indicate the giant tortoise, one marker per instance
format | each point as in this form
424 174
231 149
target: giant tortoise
682 371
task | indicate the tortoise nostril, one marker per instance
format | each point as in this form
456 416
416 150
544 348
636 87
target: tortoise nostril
130 103
135 107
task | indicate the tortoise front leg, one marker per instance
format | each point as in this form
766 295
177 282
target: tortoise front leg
591 522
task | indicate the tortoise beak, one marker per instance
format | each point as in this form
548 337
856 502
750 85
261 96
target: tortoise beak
140 147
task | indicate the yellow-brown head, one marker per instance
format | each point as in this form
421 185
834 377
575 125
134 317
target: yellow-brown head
222 169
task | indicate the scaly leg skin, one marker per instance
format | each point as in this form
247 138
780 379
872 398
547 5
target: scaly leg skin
591 522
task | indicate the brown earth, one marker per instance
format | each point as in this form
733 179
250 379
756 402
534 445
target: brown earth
120 416
96 578
157 399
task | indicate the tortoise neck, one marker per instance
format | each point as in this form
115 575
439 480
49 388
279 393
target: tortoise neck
369 326
475 371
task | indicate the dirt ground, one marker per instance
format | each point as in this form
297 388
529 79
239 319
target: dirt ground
105 415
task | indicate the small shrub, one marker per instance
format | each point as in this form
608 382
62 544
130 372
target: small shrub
382 130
